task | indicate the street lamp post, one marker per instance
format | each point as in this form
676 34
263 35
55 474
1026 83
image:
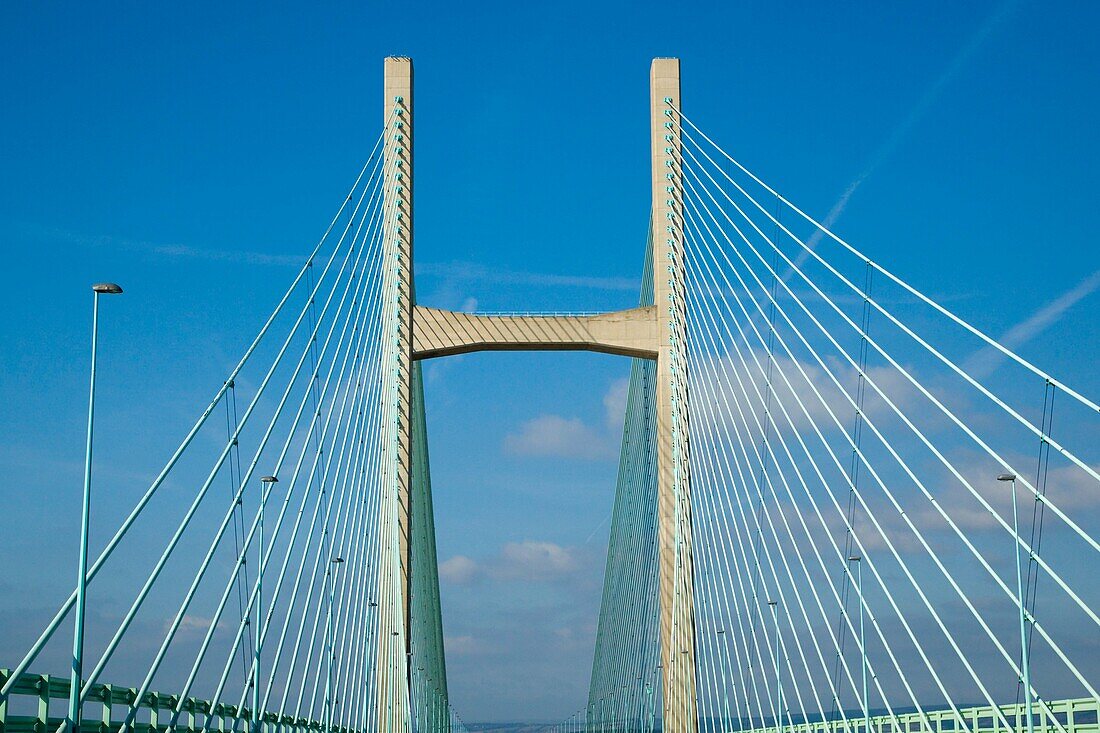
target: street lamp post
267 483
1025 672
862 642
72 721
334 564
778 682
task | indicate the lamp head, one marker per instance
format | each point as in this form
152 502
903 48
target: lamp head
107 288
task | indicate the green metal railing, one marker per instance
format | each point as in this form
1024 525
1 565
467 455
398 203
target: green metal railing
155 711
1070 716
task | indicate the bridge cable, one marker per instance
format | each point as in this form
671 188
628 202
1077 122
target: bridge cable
931 349
913 291
113 543
201 494
919 434
924 439
928 606
908 522
735 424
205 565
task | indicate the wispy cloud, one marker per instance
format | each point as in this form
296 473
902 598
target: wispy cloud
224 255
983 362
171 250
472 272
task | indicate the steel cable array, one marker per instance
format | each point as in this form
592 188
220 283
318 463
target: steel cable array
856 547
311 640
829 438
855 475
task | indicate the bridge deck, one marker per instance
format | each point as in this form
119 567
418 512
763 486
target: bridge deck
156 710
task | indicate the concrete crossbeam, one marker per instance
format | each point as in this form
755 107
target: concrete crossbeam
444 333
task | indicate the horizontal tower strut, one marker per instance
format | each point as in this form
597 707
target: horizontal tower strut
630 332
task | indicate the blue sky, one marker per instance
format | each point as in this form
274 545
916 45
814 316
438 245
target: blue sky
194 156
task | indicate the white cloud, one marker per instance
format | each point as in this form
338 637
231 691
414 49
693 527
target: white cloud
458 570
724 387
554 435
192 625
614 402
532 560
1070 488
571 437
830 219
469 305
464 645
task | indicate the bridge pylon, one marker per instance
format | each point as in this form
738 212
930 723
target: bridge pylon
656 332
394 627
676 570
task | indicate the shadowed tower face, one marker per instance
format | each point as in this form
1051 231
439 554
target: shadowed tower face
650 332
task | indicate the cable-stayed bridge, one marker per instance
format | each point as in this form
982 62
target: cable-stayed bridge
840 506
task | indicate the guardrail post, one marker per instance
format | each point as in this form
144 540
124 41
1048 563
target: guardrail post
108 701
42 721
4 675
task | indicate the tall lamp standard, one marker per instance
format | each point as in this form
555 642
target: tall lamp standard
267 483
862 641
334 565
778 679
1025 671
72 721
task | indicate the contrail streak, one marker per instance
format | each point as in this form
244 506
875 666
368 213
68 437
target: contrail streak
902 130
983 362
